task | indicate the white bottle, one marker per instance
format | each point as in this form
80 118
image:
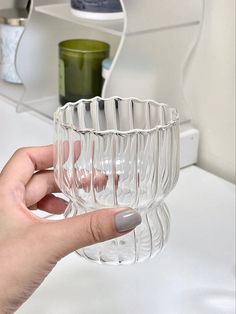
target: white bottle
12 22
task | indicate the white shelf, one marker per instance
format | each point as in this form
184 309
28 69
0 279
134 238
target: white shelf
63 12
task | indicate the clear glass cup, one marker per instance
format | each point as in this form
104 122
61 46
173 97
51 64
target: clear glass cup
119 152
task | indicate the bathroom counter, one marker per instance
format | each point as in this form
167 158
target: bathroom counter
195 273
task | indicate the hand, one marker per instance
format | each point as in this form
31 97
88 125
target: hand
31 246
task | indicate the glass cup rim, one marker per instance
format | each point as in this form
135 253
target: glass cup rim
168 125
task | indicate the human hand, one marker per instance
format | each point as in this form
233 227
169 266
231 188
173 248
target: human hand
31 246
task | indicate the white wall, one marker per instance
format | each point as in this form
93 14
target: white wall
210 89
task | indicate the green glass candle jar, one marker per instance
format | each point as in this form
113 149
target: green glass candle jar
80 68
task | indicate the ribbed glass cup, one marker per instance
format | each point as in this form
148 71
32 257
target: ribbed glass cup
119 152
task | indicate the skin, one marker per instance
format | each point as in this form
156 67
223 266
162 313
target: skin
31 246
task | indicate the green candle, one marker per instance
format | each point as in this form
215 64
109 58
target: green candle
80 68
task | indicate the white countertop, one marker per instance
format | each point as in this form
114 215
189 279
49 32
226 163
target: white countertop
194 274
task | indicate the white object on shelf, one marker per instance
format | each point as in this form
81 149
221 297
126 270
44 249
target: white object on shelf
12 22
10 36
106 66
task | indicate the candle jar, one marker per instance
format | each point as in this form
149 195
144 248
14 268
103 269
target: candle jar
80 68
12 23
134 146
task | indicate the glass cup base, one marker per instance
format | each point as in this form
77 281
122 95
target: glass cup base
144 242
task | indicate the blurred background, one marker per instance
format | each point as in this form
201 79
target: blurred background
209 65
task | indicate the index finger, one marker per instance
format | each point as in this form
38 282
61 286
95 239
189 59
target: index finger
25 161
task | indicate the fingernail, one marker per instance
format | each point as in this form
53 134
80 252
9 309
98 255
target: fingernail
127 220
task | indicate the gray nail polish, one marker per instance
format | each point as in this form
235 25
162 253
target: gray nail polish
127 220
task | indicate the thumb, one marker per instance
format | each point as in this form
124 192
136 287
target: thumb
73 233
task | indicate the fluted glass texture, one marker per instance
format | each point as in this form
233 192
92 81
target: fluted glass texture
119 152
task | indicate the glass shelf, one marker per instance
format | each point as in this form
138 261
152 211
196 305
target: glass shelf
12 92
63 11
44 106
